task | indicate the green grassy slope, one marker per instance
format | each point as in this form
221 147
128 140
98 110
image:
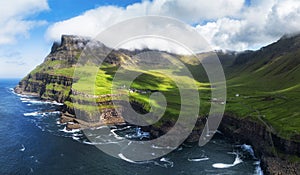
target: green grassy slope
156 80
268 84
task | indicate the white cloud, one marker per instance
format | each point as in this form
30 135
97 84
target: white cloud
94 21
260 24
13 18
194 11
285 17
232 25
220 34
17 58
88 24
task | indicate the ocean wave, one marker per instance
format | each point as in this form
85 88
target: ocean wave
167 160
40 113
69 131
28 99
115 135
100 143
134 162
31 114
20 95
88 143
198 159
223 165
126 159
77 134
139 134
32 99
56 103
75 138
121 129
53 112
25 99
160 147
22 149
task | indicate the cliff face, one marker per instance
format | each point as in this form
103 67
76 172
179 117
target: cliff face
273 67
48 83
52 80
275 152
46 86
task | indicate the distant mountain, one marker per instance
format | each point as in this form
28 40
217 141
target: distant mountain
278 64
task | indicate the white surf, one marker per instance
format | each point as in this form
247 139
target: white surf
223 165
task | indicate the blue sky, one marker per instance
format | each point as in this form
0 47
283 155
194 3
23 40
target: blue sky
65 9
17 58
29 27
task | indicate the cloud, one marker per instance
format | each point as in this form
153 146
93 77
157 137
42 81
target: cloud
193 11
285 17
259 24
225 24
94 21
88 24
13 18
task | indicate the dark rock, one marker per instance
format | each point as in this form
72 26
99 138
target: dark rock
266 144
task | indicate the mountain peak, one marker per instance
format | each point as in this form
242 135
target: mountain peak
70 43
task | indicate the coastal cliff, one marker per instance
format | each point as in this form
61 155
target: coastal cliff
46 86
278 155
47 83
255 111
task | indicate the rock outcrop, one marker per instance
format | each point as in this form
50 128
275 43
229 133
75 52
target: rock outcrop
44 81
275 152
48 83
46 86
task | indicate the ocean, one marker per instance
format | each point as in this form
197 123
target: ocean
32 141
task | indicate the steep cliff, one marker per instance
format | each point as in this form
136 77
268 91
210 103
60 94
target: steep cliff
278 155
49 80
262 104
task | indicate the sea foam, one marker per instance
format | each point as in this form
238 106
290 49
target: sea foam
223 165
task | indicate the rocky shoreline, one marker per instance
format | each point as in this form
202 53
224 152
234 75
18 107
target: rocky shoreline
274 160
273 151
277 155
73 123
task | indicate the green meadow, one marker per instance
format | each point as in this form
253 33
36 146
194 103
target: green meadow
264 88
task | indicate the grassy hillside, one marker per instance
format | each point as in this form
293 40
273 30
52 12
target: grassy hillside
152 80
262 85
268 84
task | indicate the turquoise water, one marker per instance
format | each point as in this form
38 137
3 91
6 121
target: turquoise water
34 142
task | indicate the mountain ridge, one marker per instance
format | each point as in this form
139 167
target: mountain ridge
263 89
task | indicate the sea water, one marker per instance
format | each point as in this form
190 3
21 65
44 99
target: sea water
33 141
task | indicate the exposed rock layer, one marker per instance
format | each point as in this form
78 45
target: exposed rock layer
267 145
58 87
